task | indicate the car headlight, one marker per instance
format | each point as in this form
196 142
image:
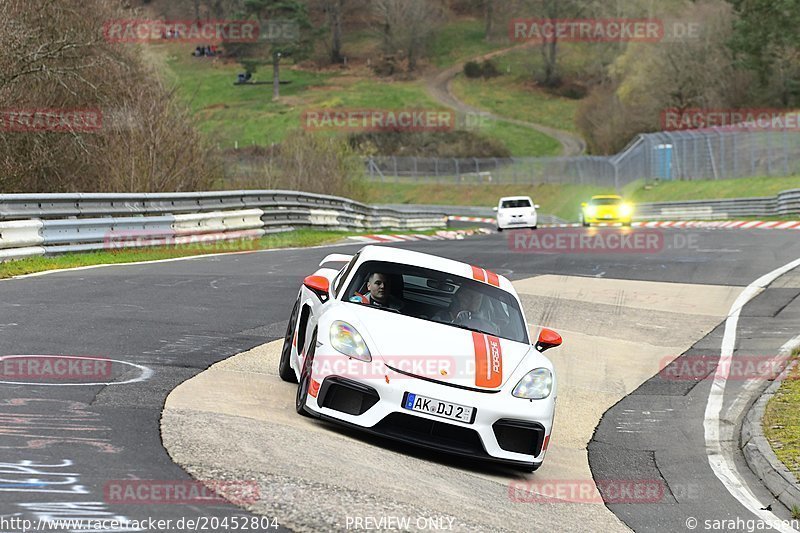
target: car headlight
591 211
536 385
626 209
346 340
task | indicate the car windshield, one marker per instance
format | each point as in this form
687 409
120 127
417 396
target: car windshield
511 204
606 201
437 297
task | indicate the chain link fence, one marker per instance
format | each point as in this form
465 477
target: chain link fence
679 155
716 153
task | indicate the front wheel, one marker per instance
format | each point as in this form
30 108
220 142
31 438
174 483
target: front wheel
285 370
305 377
499 229
534 227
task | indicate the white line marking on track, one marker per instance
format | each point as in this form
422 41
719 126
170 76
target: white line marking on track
146 373
722 463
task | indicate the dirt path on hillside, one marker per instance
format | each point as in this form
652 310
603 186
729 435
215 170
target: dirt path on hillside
439 84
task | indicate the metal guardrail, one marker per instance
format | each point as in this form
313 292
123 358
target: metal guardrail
39 224
786 203
464 211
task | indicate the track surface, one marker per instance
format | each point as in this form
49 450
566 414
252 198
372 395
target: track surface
177 318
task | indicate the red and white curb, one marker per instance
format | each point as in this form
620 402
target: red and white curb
443 235
703 224
730 224
480 220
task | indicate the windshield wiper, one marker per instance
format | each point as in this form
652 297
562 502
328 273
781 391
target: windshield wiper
459 326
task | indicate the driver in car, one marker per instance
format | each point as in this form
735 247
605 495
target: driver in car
466 305
378 293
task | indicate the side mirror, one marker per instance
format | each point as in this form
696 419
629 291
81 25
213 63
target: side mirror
536 206
494 208
548 339
319 285
584 204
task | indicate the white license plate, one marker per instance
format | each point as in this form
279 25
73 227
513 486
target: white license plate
449 410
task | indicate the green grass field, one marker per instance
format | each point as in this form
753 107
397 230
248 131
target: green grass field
245 115
559 200
508 97
781 422
461 40
708 189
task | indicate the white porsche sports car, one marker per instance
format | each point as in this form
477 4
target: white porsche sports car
425 350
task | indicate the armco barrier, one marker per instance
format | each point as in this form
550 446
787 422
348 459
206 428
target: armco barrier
786 204
38 224
465 211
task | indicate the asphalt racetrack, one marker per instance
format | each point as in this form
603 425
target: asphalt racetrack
75 448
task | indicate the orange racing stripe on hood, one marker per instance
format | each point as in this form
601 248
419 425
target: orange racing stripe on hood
488 360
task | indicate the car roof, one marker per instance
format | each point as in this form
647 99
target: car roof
515 198
607 196
441 264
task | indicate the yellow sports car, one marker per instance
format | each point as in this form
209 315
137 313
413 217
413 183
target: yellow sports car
606 209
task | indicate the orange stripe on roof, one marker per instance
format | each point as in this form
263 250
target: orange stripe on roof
493 278
478 274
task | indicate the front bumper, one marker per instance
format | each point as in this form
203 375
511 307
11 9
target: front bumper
607 220
510 222
505 429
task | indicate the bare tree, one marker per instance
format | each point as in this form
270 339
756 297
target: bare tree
57 59
407 26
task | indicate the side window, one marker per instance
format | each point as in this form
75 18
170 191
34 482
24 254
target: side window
344 274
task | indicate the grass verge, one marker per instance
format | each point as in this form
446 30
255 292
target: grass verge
781 421
560 200
292 239
564 200
710 189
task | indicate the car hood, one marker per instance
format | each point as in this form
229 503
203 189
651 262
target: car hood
439 352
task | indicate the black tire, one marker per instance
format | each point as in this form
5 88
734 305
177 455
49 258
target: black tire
305 377
534 228
285 370
499 230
